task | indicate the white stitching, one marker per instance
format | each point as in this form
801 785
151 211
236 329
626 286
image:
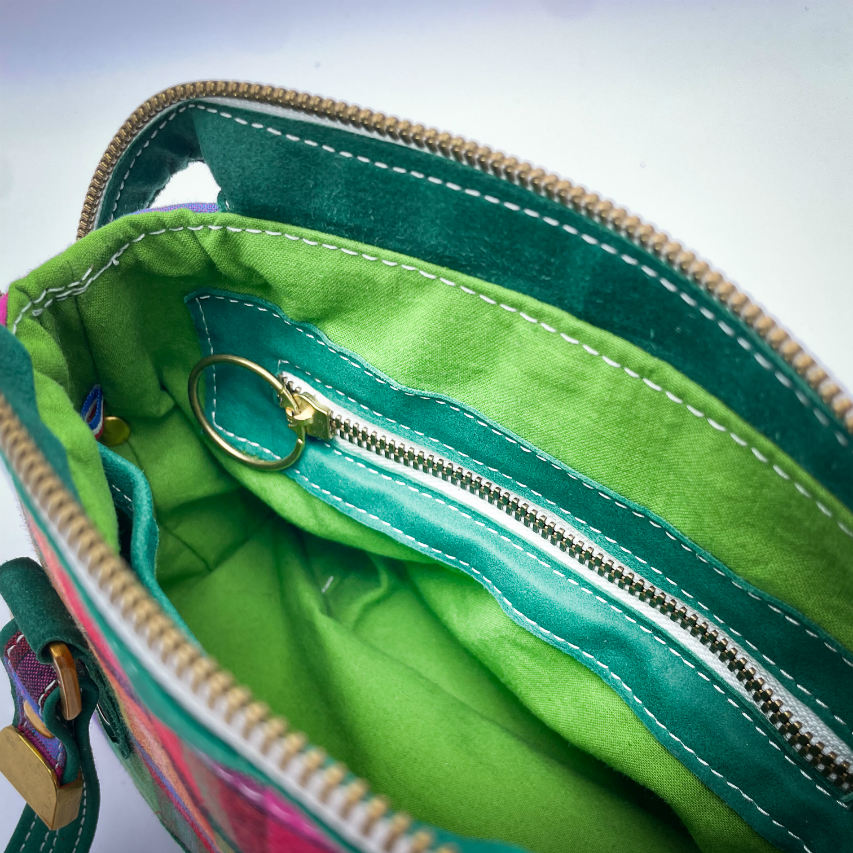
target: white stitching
534 214
29 833
45 692
118 491
150 139
213 400
14 645
47 290
499 594
76 289
52 834
82 822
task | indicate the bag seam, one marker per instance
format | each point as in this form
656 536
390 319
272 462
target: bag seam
627 259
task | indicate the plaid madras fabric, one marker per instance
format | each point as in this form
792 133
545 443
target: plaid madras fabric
207 806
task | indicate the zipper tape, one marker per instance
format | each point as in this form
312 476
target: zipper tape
529 599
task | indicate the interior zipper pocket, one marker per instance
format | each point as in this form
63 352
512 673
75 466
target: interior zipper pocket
670 629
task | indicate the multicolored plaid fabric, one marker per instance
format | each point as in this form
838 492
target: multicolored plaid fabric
206 806
32 683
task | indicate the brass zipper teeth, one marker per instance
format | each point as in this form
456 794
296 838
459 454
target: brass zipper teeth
493 162
208 682
813 751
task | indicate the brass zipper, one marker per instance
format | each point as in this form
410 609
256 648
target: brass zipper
329 423
511 169
369 822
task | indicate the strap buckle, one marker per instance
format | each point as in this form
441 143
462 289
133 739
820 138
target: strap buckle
24 765
71 699
35 780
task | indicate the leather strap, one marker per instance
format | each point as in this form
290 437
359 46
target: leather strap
39 726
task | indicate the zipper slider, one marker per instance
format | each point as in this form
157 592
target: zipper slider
307 417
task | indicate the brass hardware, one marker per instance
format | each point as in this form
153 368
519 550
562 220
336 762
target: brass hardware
36 721
33 778
116 431
309 416
304 416
66 676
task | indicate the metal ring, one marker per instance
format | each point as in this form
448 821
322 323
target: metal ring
286 400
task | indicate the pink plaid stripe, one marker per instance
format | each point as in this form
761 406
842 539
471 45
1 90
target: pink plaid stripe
224 810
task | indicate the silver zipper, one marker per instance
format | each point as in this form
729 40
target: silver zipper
795 723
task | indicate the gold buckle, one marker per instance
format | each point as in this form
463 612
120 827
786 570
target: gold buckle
33 778
66 677
27 769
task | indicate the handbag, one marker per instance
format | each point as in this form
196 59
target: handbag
413 499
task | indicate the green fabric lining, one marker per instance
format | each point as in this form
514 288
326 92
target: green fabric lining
247 415
286 168
612 427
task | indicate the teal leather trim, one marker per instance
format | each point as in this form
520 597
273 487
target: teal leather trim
19 391
793 651
426 206
138 532
721 737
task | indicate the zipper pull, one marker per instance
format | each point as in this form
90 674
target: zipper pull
307 417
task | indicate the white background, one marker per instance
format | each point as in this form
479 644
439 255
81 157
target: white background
729 124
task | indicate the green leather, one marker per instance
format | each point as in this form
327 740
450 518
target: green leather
37 609
327 178
701 721
139 536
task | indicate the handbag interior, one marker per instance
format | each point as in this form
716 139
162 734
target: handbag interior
398 663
